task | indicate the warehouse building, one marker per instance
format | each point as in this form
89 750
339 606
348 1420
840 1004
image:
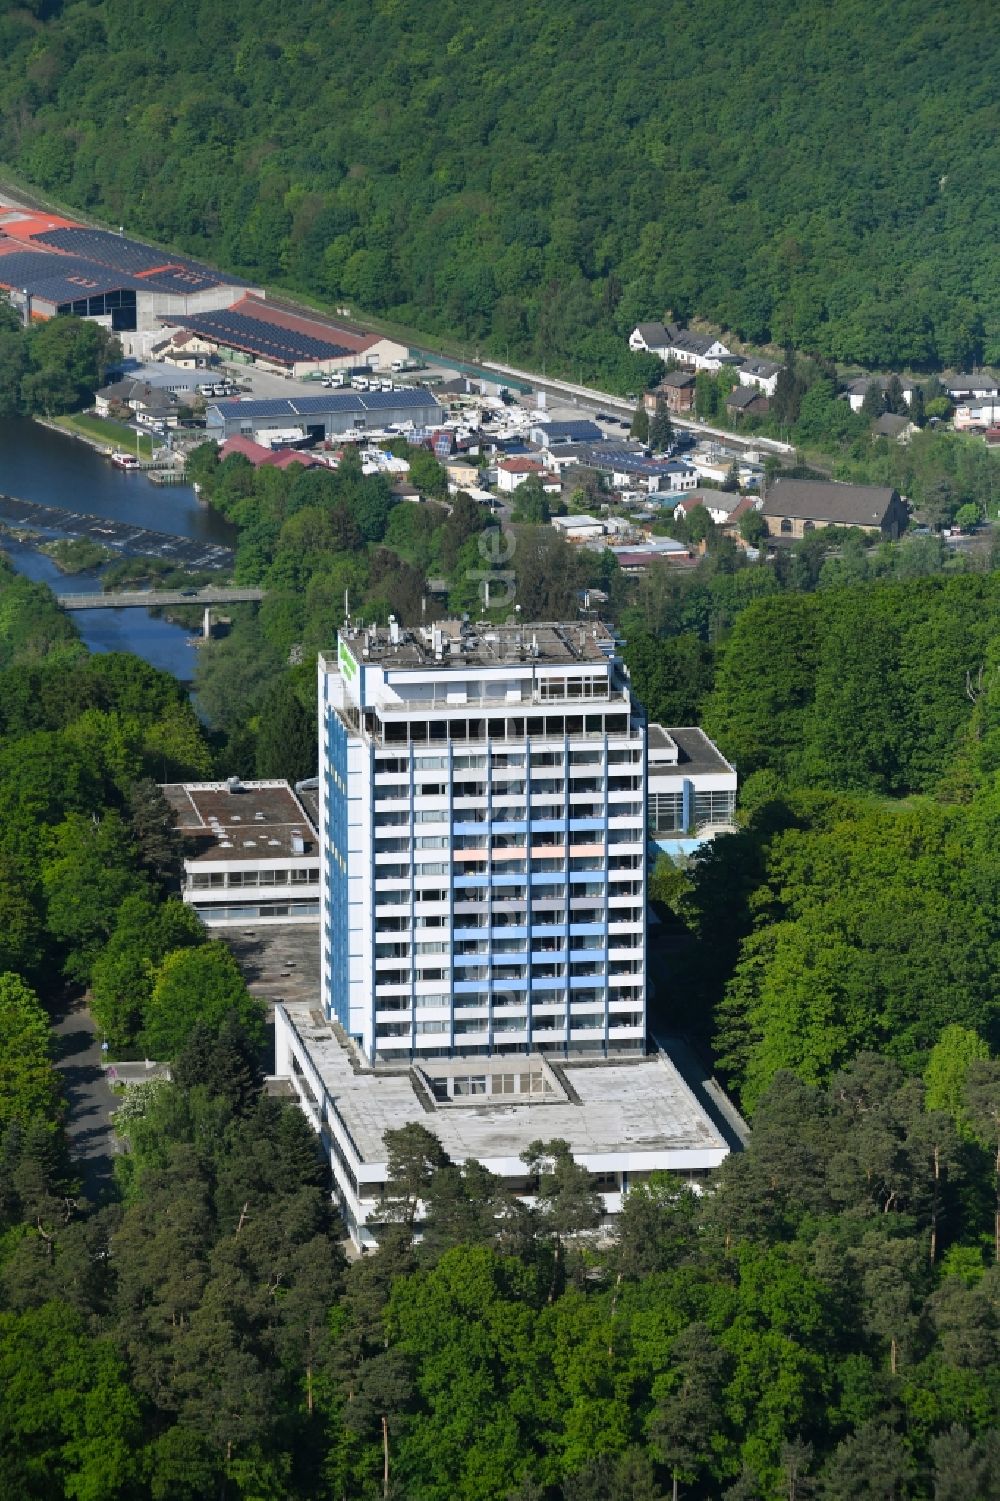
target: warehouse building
50 267
253 332
334 414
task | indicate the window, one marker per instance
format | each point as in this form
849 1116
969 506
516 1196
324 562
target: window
786 525
714 807
666 812
469 1085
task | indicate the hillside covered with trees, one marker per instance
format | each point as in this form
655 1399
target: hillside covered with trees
535 182
821 1323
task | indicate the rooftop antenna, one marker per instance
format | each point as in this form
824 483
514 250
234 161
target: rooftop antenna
347 607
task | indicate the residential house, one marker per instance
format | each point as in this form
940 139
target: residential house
793 507
672 342
514 472
511 473
973 412
964 387
462 474
892 425
720 504
761 373
184 349
747 399
699 351
152 405
857 390
675 391
649 338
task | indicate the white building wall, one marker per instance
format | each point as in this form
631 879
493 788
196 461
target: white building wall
586 855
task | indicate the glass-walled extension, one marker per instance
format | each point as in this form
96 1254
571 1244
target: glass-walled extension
691 793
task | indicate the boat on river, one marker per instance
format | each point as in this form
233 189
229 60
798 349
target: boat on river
123 460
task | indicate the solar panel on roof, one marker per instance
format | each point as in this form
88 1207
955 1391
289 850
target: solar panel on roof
125 254
307 406
254 336
60 278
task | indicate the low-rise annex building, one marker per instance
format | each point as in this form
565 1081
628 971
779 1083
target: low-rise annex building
690 789
251 852
623 1119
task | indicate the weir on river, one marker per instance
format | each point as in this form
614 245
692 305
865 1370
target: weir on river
120 536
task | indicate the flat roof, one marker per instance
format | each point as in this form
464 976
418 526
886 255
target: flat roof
695 752
404 397
483 645
255 822
608 1107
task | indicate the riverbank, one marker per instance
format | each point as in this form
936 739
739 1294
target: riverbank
45 466
102 433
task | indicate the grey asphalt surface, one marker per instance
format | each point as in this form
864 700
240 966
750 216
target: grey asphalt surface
90 1101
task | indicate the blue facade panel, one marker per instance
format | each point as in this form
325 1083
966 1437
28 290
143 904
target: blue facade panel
336 833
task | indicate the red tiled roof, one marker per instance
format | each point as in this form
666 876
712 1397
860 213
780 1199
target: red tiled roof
520 466
745 505
277 458
281 458
255 452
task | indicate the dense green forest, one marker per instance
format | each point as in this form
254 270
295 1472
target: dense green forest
822 1323
535 183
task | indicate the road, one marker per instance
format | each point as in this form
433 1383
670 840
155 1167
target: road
90 1101
584 396
123 599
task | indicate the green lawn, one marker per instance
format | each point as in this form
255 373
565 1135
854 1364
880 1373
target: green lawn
105 430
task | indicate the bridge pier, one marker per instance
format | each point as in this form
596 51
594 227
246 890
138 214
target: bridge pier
206 624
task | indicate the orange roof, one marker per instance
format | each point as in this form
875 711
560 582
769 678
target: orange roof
24 223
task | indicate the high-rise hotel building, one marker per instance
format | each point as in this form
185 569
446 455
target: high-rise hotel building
482 821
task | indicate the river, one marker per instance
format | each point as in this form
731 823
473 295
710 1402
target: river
55 469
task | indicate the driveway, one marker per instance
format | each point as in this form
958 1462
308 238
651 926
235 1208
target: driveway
90 1102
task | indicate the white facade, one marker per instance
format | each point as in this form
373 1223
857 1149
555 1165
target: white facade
762 374
858 390
516 472
623 1120
691 789
482 819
